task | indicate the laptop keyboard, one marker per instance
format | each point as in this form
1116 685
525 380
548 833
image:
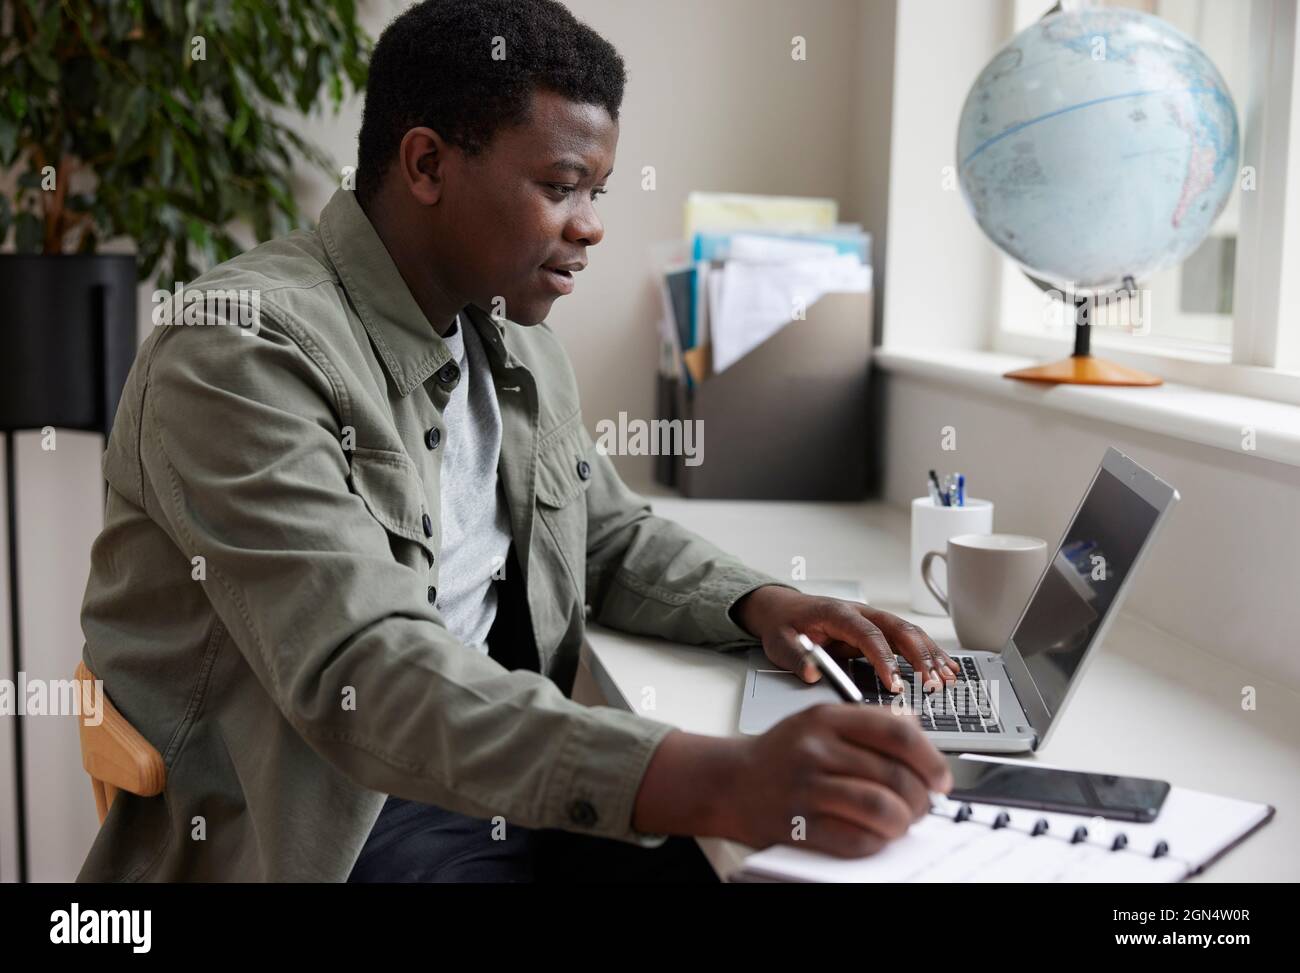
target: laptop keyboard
960 707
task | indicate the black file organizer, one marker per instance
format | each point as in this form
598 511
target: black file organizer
788 421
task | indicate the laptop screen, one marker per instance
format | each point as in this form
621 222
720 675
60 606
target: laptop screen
1097 553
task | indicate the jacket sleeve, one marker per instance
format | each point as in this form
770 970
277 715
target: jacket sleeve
651 576
242 446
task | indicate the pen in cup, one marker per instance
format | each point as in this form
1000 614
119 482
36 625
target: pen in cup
948 490
937 489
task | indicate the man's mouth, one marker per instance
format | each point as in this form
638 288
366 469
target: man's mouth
560 276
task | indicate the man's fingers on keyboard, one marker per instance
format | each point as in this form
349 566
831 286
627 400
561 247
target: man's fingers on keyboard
886 669
912 642
854 628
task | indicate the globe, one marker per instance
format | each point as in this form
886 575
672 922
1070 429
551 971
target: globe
1100 144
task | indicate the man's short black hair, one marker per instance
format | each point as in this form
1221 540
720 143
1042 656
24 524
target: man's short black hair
434 66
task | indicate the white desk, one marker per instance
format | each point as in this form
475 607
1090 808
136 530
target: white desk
1150 705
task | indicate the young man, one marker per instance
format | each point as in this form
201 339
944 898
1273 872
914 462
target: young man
349 551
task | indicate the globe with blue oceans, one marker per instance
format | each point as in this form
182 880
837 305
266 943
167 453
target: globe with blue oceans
1099 144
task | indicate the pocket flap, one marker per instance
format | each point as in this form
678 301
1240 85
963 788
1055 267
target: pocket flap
562 459
390 487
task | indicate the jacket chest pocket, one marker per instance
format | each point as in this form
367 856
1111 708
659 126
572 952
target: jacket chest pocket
564 473
390 486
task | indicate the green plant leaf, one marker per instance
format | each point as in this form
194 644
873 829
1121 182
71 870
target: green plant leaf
239 126
28 233
48 30
180 114
188 163
136 114
166 158
44 65
8 140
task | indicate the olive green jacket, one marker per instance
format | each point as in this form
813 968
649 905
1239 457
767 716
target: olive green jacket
262 599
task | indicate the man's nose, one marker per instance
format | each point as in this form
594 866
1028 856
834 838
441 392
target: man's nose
585 227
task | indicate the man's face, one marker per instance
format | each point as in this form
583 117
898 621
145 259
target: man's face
525 207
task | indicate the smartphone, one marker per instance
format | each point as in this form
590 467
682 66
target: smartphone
1071 792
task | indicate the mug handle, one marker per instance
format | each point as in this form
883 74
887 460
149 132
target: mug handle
926 561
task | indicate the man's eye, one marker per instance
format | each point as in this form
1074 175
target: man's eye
565 190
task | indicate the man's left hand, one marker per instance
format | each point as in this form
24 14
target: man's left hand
845 629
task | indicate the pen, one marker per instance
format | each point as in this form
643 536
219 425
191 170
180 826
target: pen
846 689
935 481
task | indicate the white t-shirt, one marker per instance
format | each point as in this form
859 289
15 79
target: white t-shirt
475 519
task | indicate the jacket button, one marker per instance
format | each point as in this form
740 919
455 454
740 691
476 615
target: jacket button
433 594
582 813
448 373
584 469
428 526
433 437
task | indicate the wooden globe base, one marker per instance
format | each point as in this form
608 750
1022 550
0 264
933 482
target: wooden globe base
1084 370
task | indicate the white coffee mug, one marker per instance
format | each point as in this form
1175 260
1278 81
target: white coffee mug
990 579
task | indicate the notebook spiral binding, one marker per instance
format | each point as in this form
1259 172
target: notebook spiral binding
965 812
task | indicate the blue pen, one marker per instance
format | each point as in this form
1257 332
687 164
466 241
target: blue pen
961 489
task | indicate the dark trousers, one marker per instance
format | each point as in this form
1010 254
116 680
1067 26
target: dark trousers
414 842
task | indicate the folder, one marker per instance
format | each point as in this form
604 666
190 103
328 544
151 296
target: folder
789 420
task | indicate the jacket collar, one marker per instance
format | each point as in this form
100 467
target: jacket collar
409 348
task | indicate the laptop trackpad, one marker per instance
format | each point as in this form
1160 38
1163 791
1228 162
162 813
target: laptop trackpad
771 695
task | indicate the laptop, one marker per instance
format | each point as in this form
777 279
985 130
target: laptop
1008 701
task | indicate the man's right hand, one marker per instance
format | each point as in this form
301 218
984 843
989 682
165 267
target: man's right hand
840 778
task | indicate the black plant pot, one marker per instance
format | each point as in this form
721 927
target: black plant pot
67 339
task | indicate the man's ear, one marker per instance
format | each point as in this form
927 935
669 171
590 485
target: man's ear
420 160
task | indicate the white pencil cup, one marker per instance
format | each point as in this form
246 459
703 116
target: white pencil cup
932 525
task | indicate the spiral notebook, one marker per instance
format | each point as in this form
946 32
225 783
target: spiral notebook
1192 830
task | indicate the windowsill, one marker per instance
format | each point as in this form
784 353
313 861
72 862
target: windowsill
1202 367
1209 418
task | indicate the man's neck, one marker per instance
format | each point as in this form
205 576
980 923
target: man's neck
411 259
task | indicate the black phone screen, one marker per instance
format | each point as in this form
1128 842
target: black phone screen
1068 791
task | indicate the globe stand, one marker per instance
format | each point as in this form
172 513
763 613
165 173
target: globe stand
1082 367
